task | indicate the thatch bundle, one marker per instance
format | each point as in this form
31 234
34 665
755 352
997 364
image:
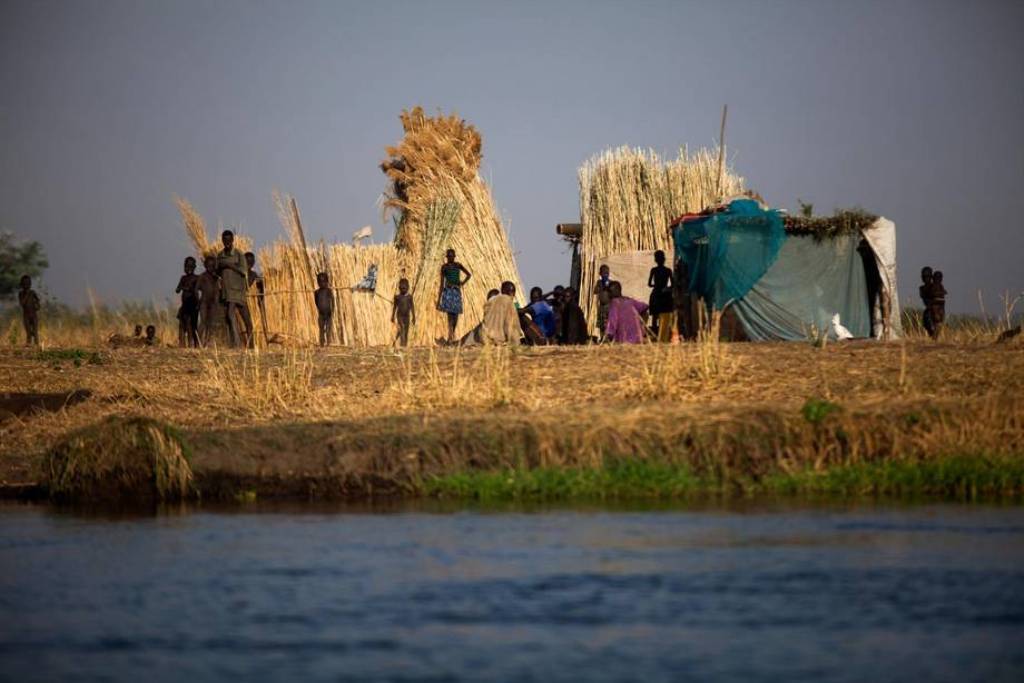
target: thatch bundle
441 203
628 198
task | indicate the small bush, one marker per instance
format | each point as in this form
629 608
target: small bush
815 410
120 459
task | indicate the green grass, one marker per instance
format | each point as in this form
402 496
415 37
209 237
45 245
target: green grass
961 477
76 356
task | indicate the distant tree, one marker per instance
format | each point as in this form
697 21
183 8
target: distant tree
806 208
17 258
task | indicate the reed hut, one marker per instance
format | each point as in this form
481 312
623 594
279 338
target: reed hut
628 199
438 201
789 278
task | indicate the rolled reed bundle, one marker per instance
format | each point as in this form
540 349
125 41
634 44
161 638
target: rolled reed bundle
628 198
433 168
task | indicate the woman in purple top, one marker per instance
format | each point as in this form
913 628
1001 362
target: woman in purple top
624 323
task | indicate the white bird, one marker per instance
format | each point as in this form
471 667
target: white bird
361 234
838 330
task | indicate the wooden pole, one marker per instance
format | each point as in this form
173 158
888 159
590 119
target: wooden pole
721 151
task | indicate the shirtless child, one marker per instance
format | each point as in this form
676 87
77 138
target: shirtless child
188 314
208 288
324 300
403 312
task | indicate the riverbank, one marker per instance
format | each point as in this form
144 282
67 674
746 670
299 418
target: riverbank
550 423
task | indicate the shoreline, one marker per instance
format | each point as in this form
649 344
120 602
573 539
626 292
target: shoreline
644 423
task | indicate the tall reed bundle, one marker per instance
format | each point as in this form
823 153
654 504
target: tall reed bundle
628 198
443 203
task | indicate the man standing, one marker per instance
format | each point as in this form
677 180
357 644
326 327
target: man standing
234 279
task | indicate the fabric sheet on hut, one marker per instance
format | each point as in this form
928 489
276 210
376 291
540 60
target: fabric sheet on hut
786 282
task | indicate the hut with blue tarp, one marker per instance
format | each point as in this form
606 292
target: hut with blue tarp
784 277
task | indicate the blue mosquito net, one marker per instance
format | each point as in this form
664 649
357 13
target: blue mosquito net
728 252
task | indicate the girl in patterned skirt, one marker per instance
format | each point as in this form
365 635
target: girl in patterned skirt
449 295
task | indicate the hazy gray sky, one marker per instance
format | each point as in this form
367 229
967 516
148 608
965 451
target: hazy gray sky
910 109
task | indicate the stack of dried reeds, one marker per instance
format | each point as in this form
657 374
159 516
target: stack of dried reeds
628 198
443 203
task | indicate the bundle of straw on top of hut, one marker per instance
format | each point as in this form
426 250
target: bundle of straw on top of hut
441 203
628 198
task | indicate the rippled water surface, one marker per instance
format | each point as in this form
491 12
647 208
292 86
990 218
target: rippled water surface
762 593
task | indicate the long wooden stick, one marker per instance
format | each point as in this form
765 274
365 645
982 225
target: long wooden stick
302 237
721 151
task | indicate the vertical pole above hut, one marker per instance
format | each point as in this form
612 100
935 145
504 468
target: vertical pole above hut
721 152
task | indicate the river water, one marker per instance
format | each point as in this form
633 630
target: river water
765 592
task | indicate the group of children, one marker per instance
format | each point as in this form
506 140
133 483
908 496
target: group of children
218 294
933 295
556 317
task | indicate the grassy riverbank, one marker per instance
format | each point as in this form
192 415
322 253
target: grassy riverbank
551 424
957 477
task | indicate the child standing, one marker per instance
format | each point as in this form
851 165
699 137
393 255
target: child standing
936 304
188 314
660 302
30 306
403 312
324 300
925 292
208 289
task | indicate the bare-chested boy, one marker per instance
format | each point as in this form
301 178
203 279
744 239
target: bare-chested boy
188 314
324 300
29 302
208 287
403 312
255 278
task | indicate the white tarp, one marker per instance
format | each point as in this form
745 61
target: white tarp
881 236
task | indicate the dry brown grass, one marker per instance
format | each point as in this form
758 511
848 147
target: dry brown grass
684 371
353 410
463 380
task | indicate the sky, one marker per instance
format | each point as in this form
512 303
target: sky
912 110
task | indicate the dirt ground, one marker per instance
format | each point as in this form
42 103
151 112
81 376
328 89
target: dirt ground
284 413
